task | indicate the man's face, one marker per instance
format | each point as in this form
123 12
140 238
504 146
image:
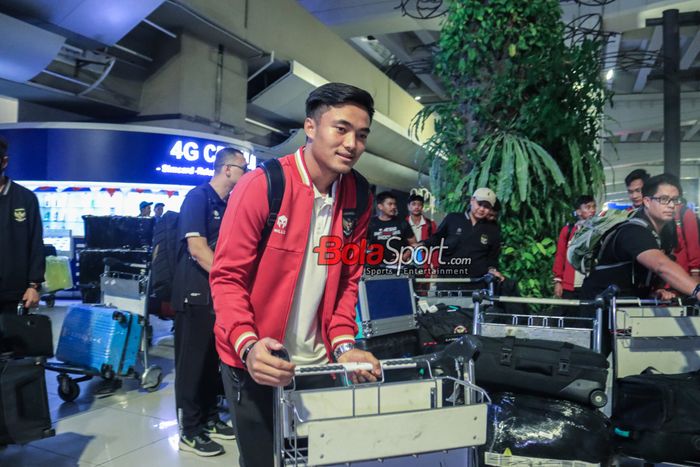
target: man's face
235 169
415 208
634 191
586 211
338 138
146 212
388 207
158 210
655 207
480 209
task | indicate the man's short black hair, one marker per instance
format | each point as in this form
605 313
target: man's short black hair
385 195
225 156
651 186
3 147
637 174
334 94
415 197
583 199
496 207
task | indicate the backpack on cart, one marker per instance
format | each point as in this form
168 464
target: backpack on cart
656 416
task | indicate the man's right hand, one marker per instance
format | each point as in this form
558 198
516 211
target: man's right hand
267 369
558 289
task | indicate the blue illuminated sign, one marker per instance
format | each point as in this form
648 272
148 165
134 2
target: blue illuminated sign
89 154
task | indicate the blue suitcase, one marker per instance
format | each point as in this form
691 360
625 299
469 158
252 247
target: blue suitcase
103 340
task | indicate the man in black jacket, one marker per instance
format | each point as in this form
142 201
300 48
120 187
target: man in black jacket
472 242
21 242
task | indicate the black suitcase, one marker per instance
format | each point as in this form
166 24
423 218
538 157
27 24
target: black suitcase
111 232
656 416
398 345
26 335
542 428
24 405
545 368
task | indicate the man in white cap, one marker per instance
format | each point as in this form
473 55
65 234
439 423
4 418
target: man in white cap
472 243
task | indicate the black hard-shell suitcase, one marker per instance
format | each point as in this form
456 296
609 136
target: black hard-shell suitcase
447 324
26 335
24 406
656 416
545 368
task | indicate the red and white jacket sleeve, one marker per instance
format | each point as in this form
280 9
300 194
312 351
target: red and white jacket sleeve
235 261
690 229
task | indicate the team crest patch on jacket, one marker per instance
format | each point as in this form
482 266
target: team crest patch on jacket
484 239
348 225
281 225
20 214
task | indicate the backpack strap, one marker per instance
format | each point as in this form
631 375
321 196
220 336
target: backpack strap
275 192
570 226
351 215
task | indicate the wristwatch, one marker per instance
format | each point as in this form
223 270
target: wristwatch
34 285
341 349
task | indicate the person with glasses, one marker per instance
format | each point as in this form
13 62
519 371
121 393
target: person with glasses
197 378
637 257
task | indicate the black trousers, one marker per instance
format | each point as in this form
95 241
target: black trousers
251 411
197 378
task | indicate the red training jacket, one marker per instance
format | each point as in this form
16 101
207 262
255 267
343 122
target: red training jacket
563 271
687 252
253 291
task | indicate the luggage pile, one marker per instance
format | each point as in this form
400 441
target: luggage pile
126 239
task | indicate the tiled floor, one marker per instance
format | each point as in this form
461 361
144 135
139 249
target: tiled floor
129 428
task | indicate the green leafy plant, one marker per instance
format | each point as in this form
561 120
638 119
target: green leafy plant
522 117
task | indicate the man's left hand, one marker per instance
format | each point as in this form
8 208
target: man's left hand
362 376
663 294
30 298
497 274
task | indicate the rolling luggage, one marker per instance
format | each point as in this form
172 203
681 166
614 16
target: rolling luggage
103 340
439 328
118 231
26 335
656 416
545 368
24 406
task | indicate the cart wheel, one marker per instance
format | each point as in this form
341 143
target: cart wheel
598 398
68 390
152 378
50 301
108 374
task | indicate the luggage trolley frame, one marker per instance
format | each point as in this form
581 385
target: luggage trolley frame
124 292
379 422
552 328
456 297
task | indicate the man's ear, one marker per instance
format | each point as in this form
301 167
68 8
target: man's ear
310 128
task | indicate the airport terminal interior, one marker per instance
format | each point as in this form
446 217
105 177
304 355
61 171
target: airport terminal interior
505 337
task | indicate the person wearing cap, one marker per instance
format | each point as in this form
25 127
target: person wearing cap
158 211
145 208
472 243
21 242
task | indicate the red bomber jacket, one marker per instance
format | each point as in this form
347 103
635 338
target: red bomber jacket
253 290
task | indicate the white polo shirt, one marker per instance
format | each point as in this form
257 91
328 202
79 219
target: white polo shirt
417 228
303 337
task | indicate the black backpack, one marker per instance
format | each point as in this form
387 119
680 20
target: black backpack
167 249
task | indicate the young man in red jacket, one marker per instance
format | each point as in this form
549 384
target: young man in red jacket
280 296
567 280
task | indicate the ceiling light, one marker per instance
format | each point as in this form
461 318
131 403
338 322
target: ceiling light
609 75
418 98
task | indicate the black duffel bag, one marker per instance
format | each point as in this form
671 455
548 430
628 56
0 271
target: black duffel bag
25 335
531 426
656 416
447 324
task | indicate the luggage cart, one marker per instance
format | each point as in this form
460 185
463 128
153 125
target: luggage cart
553 328
393 423
453 297
123 292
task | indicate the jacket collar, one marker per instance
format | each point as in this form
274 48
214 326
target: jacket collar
6 188
303 172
